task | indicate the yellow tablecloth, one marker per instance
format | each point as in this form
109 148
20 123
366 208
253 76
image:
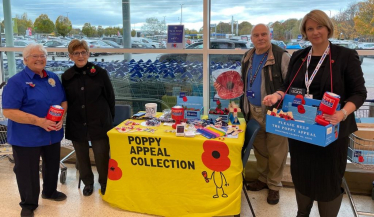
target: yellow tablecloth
165 175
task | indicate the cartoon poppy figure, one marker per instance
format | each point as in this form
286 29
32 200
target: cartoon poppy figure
216 158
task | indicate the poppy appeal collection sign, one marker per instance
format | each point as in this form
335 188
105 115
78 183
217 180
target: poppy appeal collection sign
165 175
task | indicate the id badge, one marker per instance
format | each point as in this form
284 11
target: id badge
297 91
250 94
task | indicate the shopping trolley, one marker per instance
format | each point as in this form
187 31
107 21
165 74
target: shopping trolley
361 154
5 148
69 145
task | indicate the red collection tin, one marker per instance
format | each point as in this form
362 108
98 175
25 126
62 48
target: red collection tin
329 103
55 113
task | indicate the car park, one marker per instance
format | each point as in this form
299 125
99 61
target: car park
21 43
214 44
56 43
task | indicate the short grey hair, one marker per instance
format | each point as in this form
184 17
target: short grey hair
260 24
26 52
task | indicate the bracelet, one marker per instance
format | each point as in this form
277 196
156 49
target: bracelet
279 95
345 114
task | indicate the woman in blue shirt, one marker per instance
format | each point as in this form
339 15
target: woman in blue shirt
26 99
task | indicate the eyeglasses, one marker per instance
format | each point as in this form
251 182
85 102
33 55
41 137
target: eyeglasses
83 53
42 56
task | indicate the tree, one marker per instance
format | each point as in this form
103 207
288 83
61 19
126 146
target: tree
109 31
245 28
364 19
89 30
224 28
133 33
153 26
278 31
288 26
63 25
2 26
23 23
43 24
100 31
344 23
76 31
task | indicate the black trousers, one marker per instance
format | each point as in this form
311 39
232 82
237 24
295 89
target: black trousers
26 168
326 209
101 153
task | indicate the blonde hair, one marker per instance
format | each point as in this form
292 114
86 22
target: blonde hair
321 18
26 52
76 44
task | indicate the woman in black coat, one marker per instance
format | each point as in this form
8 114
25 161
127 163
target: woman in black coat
90 113
316 171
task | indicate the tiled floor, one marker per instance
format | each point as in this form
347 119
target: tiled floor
78 205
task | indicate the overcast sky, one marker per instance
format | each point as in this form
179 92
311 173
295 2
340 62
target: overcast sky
109 12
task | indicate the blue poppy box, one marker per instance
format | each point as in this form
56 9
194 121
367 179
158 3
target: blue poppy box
303 131
213 105
193 106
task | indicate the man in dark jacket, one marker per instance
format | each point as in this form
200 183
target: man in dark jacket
264 68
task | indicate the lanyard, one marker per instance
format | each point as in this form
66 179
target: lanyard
252 78
308 81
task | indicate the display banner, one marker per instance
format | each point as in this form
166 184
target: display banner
161 174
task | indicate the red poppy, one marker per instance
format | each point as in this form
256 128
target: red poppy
332 61
114 172
185 99
32 85
218 102
216 155
231 85
93 70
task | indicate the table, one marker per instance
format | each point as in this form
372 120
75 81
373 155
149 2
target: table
165 175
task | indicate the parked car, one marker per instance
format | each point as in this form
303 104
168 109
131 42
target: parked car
365 46
55 43
294 45
97 44
137 44
214 44
146 41
281 44
21 43
112 43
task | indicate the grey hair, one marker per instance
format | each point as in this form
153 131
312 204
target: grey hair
26 52
260 24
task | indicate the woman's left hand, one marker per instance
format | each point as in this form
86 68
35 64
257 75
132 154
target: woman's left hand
334 119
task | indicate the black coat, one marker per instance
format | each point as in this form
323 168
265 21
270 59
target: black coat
91 102
316 171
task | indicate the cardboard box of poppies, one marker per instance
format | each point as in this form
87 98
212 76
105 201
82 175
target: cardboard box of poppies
193 106
219 108
296 121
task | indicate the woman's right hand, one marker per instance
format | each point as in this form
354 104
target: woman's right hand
47 124
270 100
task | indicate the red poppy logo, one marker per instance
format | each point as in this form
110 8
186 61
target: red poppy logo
216 155
114 172
185 99
93 70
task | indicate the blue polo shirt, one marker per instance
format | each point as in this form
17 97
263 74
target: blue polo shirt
32 94
256 86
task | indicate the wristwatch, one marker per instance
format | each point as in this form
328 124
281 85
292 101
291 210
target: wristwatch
345 114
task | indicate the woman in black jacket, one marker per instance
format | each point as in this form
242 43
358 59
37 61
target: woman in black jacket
90 113
316 171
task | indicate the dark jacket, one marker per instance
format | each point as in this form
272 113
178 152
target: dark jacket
273 74
348 80
91 101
